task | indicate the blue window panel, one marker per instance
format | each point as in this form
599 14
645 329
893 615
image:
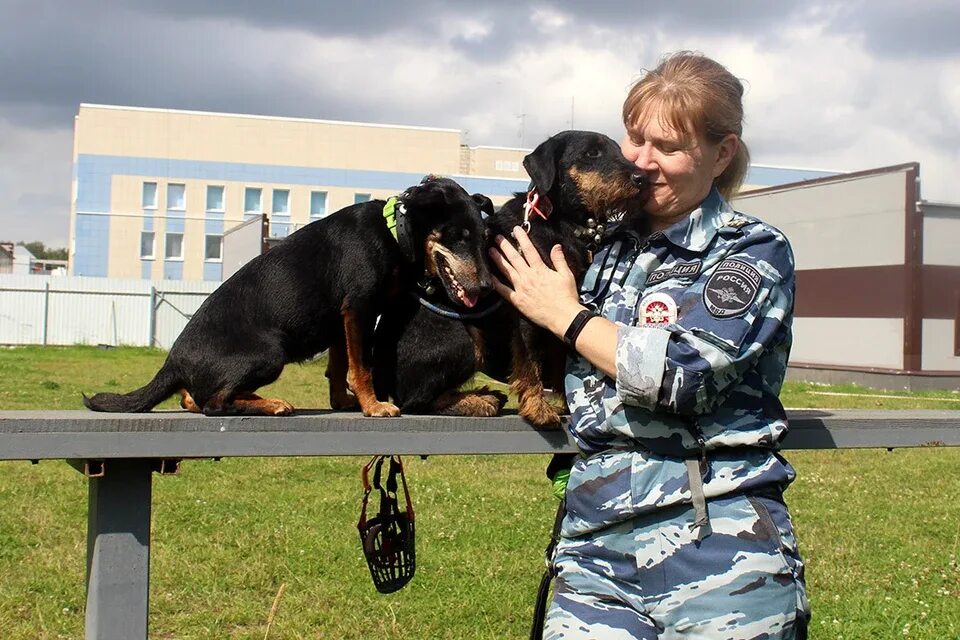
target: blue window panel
175 226
211 227
212 271
146 269
173 270
101 168
148 223
91 247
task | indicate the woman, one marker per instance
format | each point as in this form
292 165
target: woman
675 524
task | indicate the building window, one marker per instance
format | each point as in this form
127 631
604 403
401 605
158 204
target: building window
252 199
149 195
508 165
281 201
146 245
361 197
173 249
176 196
214 198
318 204
214 249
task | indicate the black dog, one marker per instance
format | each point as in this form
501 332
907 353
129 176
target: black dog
578 179
322 287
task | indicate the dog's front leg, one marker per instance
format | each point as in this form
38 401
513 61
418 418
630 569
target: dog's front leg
337 369
527 382
361 378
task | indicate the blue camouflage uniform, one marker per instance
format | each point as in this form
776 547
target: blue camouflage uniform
675 525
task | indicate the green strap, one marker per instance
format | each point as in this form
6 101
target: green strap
389 214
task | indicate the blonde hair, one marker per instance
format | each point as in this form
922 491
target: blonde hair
693 94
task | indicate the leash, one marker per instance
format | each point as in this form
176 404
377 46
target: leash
543 591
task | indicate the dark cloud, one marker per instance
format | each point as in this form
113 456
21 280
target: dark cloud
897 29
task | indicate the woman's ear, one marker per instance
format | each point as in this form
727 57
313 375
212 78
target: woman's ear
726 151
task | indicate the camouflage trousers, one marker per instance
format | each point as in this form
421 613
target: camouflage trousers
648 578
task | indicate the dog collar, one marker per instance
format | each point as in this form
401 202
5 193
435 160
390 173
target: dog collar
448 312
390 215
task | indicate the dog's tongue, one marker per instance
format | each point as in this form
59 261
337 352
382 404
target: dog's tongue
467 299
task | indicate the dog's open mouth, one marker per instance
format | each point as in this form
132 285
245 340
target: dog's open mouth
456 290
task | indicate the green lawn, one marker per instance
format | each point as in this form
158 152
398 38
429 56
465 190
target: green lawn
880 530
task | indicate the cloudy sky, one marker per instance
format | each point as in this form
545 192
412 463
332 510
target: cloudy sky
841 85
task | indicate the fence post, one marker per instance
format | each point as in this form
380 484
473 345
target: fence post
46 309
152 317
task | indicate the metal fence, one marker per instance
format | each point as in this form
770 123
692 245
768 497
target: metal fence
66 310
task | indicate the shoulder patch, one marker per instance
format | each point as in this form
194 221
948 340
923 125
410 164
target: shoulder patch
678 270
731 289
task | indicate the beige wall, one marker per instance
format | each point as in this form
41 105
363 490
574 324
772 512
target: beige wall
938 339
941 234
852 342
843 223
188 135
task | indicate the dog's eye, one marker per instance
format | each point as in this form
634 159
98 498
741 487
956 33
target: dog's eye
594 153
466 234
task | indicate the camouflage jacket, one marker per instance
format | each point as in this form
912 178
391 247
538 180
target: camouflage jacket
704 310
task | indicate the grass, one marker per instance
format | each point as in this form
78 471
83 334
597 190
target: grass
879 530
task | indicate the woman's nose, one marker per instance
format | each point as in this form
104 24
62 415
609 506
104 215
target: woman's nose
644 157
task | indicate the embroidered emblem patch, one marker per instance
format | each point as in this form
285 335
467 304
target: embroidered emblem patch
658 308
678 270
731 289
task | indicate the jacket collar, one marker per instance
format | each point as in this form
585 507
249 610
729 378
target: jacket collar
696 231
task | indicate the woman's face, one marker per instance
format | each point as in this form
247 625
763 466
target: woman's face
681 170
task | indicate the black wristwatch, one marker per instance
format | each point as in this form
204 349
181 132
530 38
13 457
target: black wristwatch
579 322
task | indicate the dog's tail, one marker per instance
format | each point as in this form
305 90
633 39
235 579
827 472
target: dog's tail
163 385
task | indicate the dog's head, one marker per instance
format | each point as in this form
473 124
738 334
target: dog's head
585 175
447 239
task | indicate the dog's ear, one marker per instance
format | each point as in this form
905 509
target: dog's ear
541 165
485 204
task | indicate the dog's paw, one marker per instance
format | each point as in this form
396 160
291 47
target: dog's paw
382 410
282 408
540 414
343 401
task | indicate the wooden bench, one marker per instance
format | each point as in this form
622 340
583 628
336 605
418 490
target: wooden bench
120 452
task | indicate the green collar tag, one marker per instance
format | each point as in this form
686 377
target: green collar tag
389 214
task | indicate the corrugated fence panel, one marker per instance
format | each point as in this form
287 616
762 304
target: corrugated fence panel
21 309
61 310
176 303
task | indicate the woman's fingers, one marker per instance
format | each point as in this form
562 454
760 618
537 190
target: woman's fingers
510 252
530 253
503 262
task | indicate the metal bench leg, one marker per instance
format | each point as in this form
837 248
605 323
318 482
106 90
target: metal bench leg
118 551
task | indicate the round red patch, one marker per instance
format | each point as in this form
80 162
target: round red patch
658 308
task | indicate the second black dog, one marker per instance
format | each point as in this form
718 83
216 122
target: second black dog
578 179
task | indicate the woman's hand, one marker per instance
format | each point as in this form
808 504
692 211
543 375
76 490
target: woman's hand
547 297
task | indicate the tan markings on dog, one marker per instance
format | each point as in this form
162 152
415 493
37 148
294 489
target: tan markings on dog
600 192
361 378
478 346
525 381
340 396
481 403
187 402
251 403
429 246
